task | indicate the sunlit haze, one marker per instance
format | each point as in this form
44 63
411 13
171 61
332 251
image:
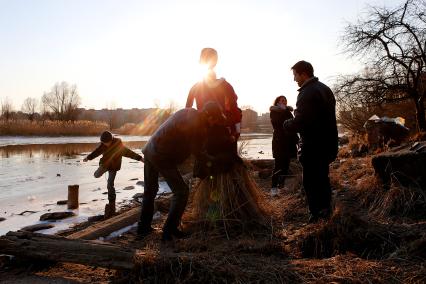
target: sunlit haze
138 54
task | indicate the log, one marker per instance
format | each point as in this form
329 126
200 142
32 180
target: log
108 226
60 249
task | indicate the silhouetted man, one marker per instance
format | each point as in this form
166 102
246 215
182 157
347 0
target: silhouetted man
183 134
315 121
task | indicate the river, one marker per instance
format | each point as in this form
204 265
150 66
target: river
35 173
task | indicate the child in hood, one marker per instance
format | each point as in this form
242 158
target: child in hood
112 151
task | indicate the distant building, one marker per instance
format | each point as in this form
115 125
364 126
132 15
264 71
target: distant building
252 122
249 120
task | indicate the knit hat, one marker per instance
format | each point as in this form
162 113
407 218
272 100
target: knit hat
106 137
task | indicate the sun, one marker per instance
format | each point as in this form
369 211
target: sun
203 71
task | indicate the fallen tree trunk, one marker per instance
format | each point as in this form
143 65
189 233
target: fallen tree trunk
60 249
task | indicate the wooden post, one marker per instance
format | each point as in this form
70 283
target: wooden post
73 196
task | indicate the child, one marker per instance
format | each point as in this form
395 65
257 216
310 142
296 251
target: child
112 150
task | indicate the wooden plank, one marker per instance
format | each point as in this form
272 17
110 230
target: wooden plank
108 226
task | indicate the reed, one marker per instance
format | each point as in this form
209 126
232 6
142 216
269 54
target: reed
51 128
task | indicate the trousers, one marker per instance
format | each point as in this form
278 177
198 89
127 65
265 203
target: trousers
179 199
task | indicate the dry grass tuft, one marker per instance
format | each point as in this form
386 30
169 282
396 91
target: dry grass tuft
400 201
357 147
229 201
419 136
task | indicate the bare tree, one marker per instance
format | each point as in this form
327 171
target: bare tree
29 107
63 101
6 109
392 43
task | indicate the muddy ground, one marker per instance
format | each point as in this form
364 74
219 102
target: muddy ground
374 236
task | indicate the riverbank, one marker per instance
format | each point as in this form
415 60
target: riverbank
359 244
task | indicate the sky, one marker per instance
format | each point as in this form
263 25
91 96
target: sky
141 54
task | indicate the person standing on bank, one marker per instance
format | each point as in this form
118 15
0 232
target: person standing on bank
216 90
184 133
283 143
315 121
112 151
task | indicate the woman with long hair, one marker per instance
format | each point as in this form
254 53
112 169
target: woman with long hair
283 143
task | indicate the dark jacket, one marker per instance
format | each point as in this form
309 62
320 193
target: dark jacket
177 138
315 120
283 142
112 155
221 152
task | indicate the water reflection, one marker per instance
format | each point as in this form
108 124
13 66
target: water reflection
71 150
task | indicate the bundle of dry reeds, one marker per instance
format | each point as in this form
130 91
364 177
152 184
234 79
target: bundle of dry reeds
229 199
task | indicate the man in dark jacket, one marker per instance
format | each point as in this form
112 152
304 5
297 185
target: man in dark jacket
177 138
112 151
315 120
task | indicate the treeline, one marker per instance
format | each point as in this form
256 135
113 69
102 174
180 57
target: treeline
60 103
58 113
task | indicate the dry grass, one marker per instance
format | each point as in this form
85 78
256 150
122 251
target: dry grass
352 247
420 136
349 232
229 200
357 146
51 128
400 201
358 176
